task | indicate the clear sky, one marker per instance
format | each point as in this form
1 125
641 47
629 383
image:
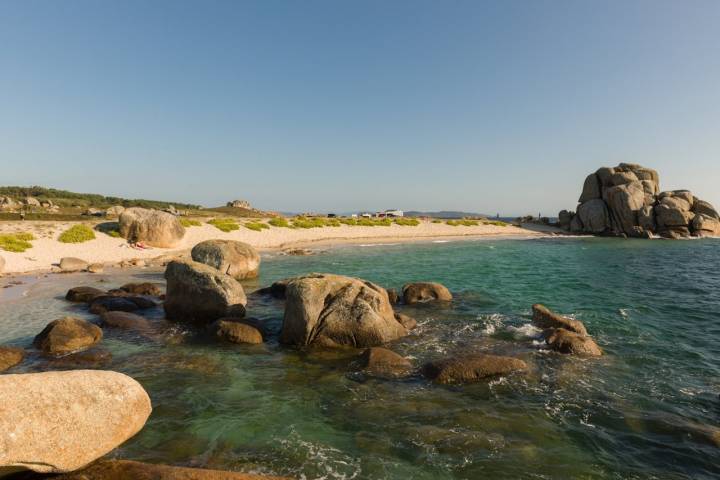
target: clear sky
342 105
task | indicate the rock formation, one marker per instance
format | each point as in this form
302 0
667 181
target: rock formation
420 292
237 259
472 368
626 201
153 227
67 335
239 204
563 334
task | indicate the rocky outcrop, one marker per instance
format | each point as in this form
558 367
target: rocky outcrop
56 422
114 211
130 470
151 227
67 335
332 310
237 330
421 292
10 356
472 368
237 259
384 363
202 294
239 204
563 334
626 201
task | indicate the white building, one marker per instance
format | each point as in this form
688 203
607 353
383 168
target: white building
394 213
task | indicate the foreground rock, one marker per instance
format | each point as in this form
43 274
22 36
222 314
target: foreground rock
125 321
199 293
237 330
385 363
151 227
332 310
83 294
237 259
421 292
127 470
10 356
626 201
62 421
565 341
472 368
543 317
406 321
67 335
72 264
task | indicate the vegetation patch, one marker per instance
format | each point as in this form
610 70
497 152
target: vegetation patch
77 234
309 222
16 242
407 222
224 224
463 222
187 223
498 223
279 222
256 226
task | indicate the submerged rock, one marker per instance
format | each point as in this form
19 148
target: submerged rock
93 358
565 341
10 356
543 317
333 310
420 292
152 227
125 321
383 362
406 320
199 293
56 422
237 259
67 335
83 294
111 303
237 330
472 368
144 288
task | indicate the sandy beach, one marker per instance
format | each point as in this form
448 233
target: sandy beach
47 250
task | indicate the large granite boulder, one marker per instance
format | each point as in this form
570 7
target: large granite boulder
472 368
237 259
565 341
701 207
131 470
421 292
705 226
594 216
10 356
624 202
384 363
199 293
151 227
565 218
237 330
332 310
72 264
67 335
56 422
591 189
543 317
83 294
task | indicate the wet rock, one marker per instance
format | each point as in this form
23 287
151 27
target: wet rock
10 356
67 335
333 310
237 259
126 469
94 358
406 320
543 317
56 422
276 290
72 264
472 368
110 303
421 292
565 341
144 288
96 268
237 330
199 293
383 362
125 321
298 252
151 227
83 294
393 296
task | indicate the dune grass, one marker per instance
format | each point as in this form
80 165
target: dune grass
187 223
407 222
498 223
279 222
16 242
256 226
77 234
463 222
224 224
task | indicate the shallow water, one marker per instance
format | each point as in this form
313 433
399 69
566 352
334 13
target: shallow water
648 409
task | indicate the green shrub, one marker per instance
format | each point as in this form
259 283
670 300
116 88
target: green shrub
113 233
77 234
348 221
16 242
408 222
187 223
436 221
463 222
224 224
306 222
256 226
498 223
279 222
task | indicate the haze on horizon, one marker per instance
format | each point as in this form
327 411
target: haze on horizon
495 106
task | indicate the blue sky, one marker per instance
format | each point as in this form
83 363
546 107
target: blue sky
337 105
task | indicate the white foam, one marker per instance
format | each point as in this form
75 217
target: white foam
527 330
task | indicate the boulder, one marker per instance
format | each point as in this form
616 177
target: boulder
385 363
10 356
675 233
565 341
128 470
114 211
624 202
152 227
472 368
676 203
199 293
56 422
565 219
332 310
67 335
393 296
680 194
144 288
276 290
112 303
237 259
32 202
591 189
239 204
544 318
96 268
576 225
701 207
421 292
594 216
668 216
406 321
72 264
83 294
705 226
646 219
237 330
623 178
125 321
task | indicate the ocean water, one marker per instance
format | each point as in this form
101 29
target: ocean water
648 409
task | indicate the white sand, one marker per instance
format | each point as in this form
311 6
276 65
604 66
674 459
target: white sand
47 251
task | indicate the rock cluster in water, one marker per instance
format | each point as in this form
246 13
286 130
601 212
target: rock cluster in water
626 201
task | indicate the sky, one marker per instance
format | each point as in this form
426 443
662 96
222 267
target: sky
485 106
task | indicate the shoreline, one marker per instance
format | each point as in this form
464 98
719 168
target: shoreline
47 251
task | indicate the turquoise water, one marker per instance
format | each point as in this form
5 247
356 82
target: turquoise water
648 409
